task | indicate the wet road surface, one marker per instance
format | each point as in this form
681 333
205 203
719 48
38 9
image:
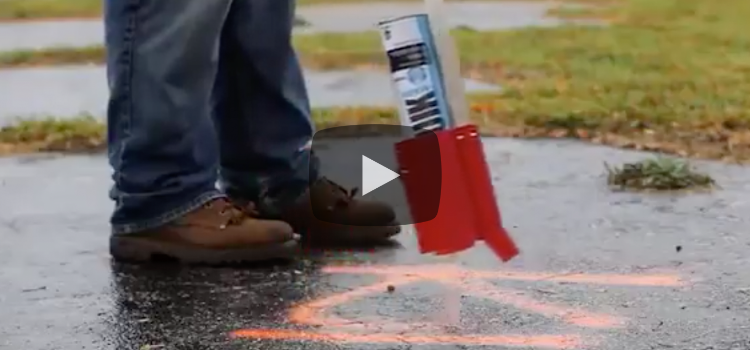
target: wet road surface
70 91
598 270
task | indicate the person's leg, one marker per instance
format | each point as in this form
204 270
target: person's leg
263 117
265 130
162 63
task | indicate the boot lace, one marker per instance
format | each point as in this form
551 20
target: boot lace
343 195
234 214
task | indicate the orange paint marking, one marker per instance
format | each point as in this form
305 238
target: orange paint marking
318 313
447 272
543 341
567 314
307 313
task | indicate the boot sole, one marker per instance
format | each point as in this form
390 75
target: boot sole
365 235
137 249
376 233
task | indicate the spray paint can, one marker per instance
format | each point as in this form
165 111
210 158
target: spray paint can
426 74
416 73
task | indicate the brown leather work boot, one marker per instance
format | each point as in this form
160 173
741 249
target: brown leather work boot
216 233
346 221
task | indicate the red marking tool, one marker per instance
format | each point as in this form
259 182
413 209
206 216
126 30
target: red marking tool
425 71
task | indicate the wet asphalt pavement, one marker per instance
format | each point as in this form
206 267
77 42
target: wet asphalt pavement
598 270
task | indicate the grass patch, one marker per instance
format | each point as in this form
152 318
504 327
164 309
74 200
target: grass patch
41 9
86 134
52 56
79 134
640 83
658 174
598 10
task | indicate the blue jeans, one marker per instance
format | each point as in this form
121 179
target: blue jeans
202 92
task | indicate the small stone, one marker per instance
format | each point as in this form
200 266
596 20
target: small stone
391 288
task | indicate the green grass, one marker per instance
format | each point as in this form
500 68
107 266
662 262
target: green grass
667 75
85 133
660 174
52 56
40 9
80 134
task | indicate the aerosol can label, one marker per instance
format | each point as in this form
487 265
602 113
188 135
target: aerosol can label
415 72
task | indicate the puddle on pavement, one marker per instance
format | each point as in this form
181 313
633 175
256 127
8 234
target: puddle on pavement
481 15
45 34
60 291
67 91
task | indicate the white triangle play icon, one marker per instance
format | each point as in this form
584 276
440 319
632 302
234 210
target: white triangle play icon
375 175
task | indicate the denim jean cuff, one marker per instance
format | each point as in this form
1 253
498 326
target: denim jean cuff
163 219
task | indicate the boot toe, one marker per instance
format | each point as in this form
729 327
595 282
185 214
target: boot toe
373 214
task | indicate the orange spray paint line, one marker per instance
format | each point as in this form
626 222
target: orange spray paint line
316 320
524 341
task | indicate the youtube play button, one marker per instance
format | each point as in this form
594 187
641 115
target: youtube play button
364 157
375 175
